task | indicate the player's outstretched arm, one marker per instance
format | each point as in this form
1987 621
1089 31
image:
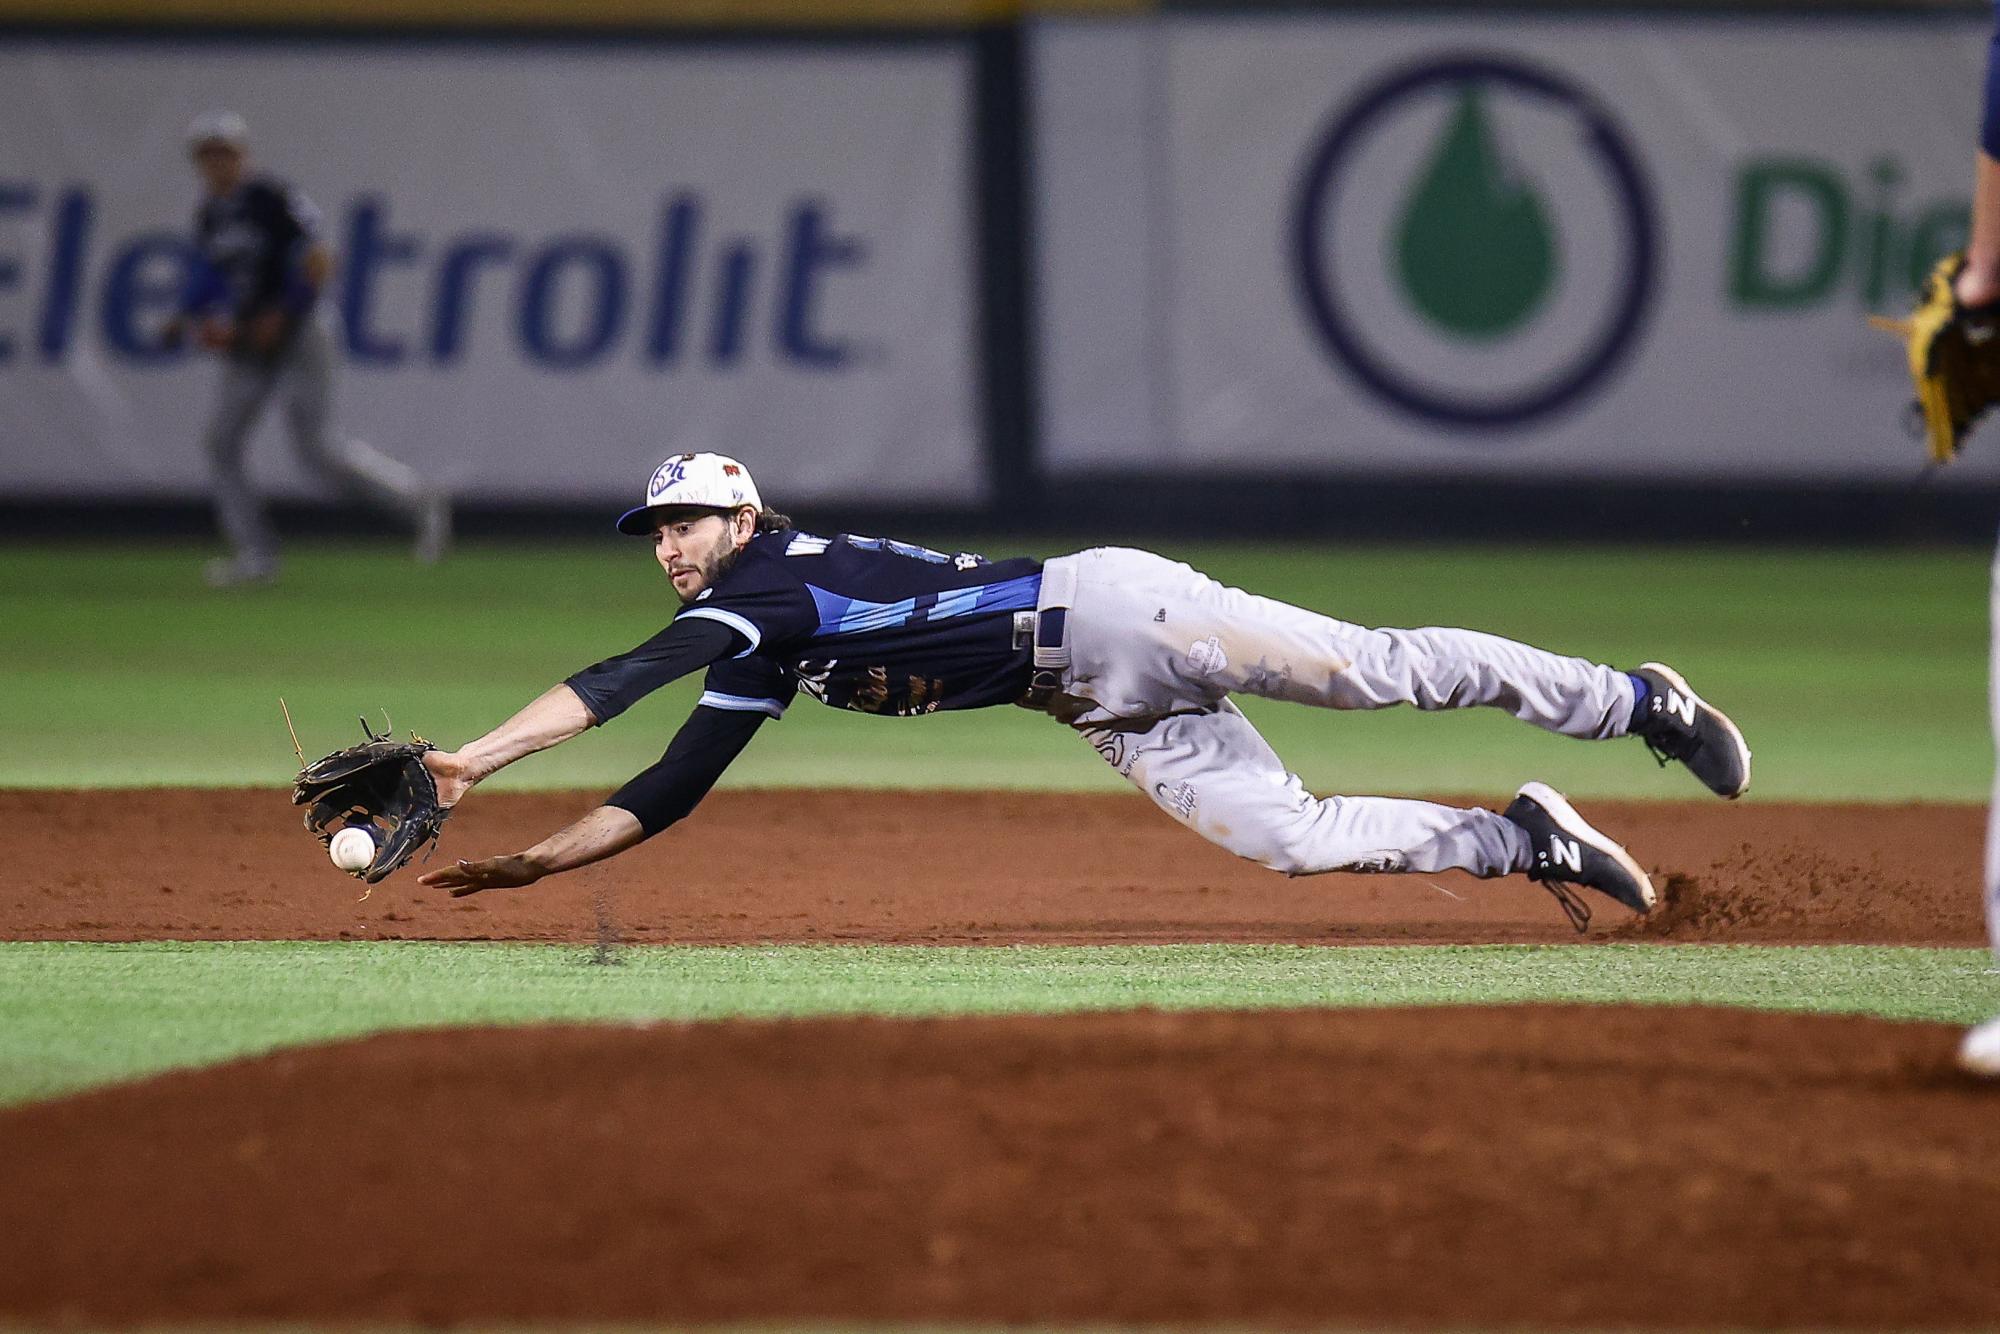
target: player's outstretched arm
597 694
553 718
600 834
664 793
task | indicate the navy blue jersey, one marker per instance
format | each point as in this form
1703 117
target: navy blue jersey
250 246
856 622
868 624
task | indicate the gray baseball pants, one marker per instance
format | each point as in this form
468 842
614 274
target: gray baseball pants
1156 648
303 378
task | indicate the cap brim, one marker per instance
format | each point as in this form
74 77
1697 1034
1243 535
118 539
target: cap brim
638 522
642 521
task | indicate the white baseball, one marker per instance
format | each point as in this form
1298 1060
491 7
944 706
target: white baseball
352 849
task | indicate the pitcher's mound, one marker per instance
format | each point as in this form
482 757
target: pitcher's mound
1474 1167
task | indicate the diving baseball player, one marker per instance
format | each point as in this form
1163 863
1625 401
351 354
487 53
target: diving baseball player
1136 653
254 295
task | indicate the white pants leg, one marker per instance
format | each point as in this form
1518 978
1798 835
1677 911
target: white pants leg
241 392
1215 773
1150 635
1157 647
353 465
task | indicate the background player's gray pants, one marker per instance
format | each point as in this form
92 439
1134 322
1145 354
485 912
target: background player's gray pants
1157 647
303 378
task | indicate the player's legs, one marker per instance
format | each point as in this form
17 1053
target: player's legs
1204 639
239 512
353 465
1214 773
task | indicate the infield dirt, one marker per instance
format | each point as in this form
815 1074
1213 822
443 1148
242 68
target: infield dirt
1533 1166
1469 1168
964 868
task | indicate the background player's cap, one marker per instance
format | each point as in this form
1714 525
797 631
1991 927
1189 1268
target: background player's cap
713 480
218 127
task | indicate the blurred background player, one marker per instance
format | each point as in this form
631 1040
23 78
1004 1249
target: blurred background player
253 295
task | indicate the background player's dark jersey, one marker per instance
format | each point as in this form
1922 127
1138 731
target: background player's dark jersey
869 624
250 244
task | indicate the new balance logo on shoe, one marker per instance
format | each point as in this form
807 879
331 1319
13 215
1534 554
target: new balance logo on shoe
1679 725
1567 851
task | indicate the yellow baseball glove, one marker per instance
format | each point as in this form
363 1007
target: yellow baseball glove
1954 354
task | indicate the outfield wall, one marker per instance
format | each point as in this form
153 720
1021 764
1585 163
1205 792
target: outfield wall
557 264
1588 249
1004 263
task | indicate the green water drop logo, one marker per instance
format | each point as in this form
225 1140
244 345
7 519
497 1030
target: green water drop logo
1475 251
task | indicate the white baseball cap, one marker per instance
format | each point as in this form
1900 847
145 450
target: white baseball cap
218 127
712 481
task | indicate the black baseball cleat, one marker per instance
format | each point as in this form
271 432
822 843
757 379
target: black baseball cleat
1569 852
1677 724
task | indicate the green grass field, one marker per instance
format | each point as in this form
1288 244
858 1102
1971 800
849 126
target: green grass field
1857 676
72 1015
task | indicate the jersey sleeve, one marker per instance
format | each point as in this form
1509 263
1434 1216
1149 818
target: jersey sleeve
753 684
673 786
270 205
610 687
290 223
306 221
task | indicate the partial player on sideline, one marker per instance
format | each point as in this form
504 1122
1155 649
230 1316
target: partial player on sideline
254 295
1954 356
1137 653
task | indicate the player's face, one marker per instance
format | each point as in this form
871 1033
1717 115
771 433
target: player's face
220 166
695 550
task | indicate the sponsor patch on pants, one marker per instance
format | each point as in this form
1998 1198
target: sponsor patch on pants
1206 658
1183 799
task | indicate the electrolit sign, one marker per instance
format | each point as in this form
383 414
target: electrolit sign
1493 220
554 263
693 292
1560 248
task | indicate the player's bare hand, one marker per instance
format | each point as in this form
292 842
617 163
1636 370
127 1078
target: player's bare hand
266 328
452 773
463 877
1978 284
215 333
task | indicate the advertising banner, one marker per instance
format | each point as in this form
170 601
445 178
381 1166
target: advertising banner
1539 247
554 264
